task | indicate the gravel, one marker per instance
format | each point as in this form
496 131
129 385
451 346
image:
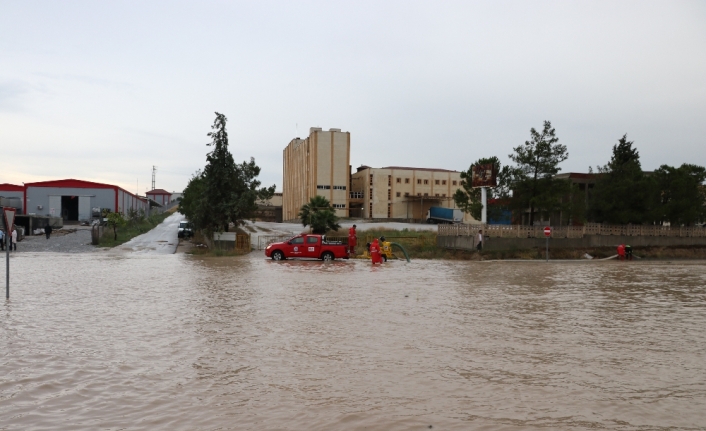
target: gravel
76 239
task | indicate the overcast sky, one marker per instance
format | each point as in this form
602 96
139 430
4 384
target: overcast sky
103 91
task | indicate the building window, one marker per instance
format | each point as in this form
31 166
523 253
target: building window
389 180
340 206
406 180
389 194
419 181
444 195
426 181
399 180
426 194
436 182
371 193
443 182
437 195
324 187
370 210
406 194
389 210
339 187
371 179
398 194
454 182
419 194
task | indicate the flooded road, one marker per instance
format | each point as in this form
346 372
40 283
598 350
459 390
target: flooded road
174 342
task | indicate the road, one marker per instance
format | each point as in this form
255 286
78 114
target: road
160 240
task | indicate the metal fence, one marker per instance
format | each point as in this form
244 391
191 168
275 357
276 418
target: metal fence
517 231
264 240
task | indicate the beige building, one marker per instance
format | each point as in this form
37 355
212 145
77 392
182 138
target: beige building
319 164
402 193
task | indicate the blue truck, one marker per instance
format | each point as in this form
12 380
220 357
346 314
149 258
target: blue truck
444 215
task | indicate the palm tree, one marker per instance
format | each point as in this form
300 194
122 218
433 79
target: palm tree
319 214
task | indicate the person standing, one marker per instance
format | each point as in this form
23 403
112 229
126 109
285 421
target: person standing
14 239
352 240
375 252
2 240
479 246
47 230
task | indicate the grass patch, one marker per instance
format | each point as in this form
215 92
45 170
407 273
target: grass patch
131 230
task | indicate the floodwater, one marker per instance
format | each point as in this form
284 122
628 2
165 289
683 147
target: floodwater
175 342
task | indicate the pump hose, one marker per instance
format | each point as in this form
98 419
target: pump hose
403 250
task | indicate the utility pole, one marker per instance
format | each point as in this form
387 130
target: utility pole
154 176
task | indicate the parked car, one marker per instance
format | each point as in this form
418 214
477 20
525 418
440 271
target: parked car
307 246
185 230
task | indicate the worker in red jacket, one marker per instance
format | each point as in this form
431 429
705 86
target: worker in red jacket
621 252
375 252
352 240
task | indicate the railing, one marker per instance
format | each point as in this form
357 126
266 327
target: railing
517 231
264 240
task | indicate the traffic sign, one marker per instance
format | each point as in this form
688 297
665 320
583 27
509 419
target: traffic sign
9 219
547 231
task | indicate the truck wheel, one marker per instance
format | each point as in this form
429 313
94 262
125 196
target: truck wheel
327 257
277 255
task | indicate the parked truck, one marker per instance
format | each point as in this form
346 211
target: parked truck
307 246
444 215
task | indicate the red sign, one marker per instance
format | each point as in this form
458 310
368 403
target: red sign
547 231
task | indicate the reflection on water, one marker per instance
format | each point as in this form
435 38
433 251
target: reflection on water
175 342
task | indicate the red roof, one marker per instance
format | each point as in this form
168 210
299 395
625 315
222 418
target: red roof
81 184
158 192
6 187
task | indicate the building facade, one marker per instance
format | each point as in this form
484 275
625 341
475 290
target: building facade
317 165
160 196
14 196
397 192
77 200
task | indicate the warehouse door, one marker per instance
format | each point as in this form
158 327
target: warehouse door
54 206
84 208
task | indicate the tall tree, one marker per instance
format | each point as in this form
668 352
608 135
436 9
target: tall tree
623 193
225 192
319 214
534 185
468 198
682 197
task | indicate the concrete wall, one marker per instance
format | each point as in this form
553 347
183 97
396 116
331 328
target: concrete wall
588 241
127 201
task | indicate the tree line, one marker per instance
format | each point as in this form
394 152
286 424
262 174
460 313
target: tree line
622 193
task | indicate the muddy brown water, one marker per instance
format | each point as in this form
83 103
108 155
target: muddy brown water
174 342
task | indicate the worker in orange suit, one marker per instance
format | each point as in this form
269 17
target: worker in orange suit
352 240
375 252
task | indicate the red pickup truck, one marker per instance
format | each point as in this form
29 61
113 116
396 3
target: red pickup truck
307 246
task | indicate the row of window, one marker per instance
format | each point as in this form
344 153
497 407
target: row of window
339 206
420 181
327 187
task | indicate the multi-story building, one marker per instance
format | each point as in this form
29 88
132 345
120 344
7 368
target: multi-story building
402 193
317 165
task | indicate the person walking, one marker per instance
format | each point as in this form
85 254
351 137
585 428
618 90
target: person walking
47 230
479 246
13 243
2 240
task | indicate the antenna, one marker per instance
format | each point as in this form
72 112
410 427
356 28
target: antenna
154 174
